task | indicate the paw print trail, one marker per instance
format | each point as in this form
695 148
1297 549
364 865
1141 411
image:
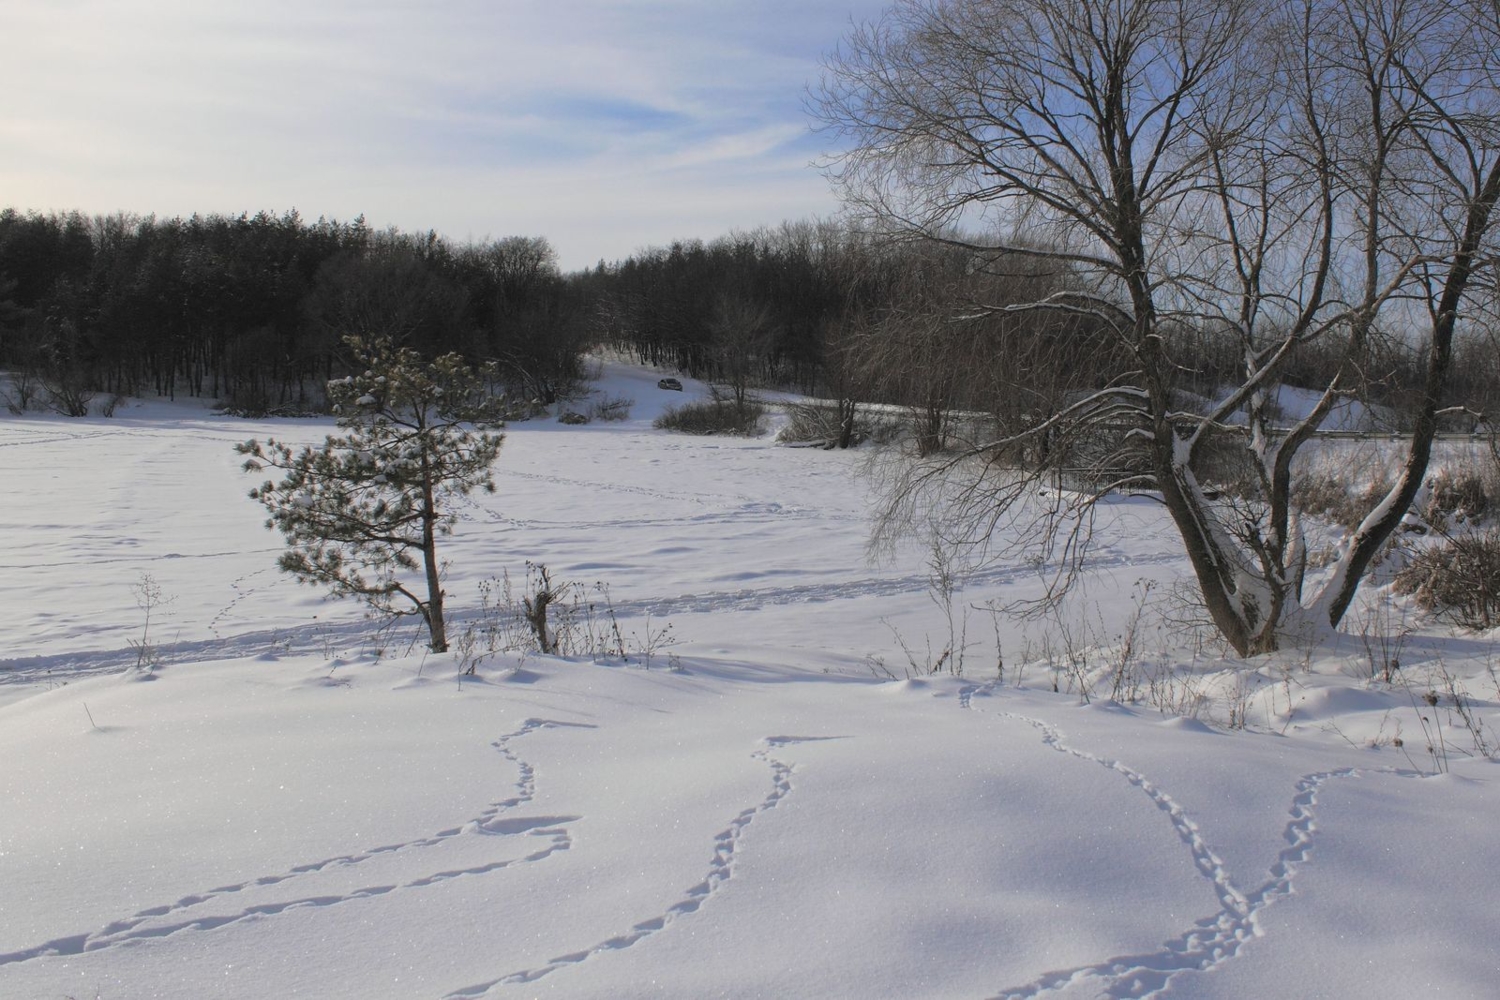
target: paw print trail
720 871
1216 938
148 923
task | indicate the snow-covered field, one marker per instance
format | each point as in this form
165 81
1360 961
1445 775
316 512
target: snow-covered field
294 803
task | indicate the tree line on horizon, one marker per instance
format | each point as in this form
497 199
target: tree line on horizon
252 310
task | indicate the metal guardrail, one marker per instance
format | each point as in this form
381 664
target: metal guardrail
1395 435
1083 480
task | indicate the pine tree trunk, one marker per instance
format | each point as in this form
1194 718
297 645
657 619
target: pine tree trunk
436 627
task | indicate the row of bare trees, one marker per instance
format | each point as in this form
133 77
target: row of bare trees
841 311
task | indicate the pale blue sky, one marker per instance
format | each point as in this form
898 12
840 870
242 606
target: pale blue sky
603 126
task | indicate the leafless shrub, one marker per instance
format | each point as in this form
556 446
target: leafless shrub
1458 581
1172 691
68 394
813 423
1383 630
535 604
1457 496
1427 699
1126 680
1237 697
1322 493
945 581
1461 705
21 390
820 424
149 596
920 665
652 640
611 409
570 618
713 416
1329 495
508 623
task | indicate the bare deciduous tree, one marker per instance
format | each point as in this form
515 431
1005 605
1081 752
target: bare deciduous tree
741 332
1283 174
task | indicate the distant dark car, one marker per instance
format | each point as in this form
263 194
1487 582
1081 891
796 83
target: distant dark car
669 383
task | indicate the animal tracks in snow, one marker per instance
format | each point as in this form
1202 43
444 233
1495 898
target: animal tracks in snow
240 593
1214 939
315 637
754 598
721 510
194 913
44 435
720 870
180 916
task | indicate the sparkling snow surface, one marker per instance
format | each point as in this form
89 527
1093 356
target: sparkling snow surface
296 804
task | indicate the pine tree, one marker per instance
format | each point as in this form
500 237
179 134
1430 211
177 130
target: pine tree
360 510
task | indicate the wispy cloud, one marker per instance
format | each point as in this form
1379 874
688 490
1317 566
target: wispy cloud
736 147
601 125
